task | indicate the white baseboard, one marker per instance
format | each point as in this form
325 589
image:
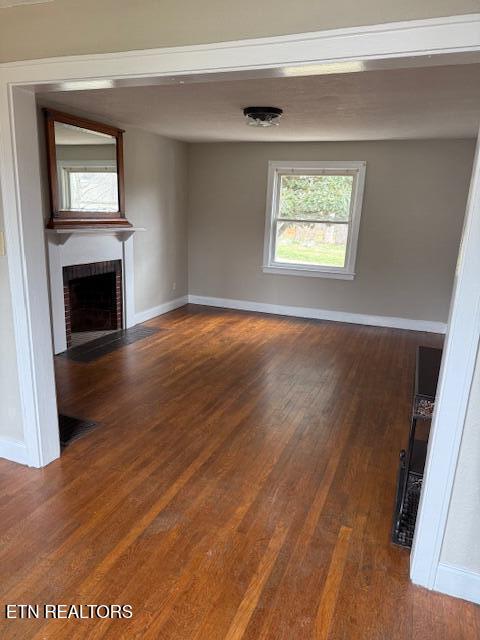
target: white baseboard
148 314
13 450
322 314
458 582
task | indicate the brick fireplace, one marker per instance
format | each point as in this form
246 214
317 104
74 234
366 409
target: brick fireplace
93 297
77 254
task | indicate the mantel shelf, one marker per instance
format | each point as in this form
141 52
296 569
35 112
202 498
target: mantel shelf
62 235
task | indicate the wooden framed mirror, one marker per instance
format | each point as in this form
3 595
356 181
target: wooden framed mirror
85 170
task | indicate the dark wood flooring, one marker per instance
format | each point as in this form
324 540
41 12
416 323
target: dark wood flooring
240 486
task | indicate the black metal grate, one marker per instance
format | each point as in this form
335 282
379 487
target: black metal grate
73 428
403 533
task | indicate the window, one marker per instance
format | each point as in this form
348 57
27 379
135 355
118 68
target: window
88 186
313 218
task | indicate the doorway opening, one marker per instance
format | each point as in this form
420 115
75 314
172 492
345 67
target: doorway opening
36 373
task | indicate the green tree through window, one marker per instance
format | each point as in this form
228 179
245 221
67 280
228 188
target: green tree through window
315 197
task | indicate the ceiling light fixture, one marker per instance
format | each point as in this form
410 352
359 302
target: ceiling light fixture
353 66
262 116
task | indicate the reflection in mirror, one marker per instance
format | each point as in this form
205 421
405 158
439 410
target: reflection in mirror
86 169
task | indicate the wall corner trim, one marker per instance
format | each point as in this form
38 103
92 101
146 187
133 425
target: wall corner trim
322 314
153 312
13 450
458 582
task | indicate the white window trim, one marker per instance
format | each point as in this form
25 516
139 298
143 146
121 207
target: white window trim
276 169
65 166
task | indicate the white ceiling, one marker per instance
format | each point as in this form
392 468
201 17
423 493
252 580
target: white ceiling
66 134
387 104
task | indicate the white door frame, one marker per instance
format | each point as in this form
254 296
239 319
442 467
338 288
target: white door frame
455 381
20 187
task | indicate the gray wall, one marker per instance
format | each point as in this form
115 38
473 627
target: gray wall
155 198
69 26
414 204
85 151
461 545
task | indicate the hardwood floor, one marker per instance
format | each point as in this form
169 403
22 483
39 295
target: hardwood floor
241 486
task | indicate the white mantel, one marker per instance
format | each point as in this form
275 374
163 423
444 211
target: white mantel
67 247
62 235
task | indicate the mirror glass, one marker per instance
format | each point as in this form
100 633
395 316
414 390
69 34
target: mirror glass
86 169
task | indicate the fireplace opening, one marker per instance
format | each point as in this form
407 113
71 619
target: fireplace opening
93 301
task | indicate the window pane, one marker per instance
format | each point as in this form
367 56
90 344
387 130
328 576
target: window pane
93 191
315 197
320 244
